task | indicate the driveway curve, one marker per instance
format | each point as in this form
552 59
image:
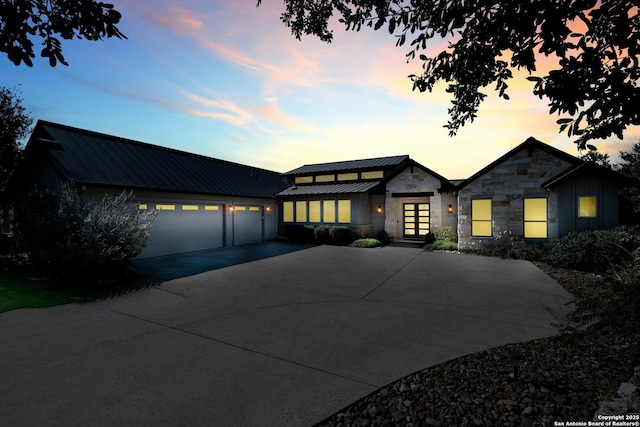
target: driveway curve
283 341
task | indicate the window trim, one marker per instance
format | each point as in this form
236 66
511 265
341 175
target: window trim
595 207
526 221
490 220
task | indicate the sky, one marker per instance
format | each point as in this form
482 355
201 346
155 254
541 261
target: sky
226 79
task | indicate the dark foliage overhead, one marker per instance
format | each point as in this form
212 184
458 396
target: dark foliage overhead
593 44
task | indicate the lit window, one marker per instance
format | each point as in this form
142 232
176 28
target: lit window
481 218
143 206
344 211
314 211
352 176
329 211
372 175
325 178
303 179
535 218
166 207
239 208
287 212
301 211
189 207
254 208
587 207
211 208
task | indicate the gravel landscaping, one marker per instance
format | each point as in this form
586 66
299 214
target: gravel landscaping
562 378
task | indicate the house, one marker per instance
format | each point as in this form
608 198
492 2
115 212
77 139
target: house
395 194
534 191
538 193
203 202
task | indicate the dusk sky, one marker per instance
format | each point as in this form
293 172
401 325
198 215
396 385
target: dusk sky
226 79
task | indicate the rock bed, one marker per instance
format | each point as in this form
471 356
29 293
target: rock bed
561 379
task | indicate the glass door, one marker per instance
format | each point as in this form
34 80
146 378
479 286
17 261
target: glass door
416 219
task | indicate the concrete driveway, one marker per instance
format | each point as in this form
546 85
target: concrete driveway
284 341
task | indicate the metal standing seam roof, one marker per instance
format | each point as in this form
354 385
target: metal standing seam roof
380 162
92 158
308 190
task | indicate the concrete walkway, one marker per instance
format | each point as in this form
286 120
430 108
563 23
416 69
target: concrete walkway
284 341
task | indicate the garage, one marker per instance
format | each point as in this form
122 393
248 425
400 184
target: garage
184 228
247 224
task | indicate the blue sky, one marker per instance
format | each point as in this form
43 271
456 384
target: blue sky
226 79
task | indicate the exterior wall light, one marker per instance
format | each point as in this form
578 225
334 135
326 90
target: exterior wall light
267 208
379 210
231 208
450 209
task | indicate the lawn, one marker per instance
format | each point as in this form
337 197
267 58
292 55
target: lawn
21 291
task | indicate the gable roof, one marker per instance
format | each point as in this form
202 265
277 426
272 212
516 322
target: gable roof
529 144
584 167
93 158
379 162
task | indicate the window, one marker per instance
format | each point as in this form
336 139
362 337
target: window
587 207
329 211
301 211
351 176
166 207
314 211
481 218
211 208
344 211
189 207
254 208
535 218
142 206
239 208
287 212
303 179
372 175
325 178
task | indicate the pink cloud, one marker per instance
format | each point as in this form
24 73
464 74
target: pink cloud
272 113
219 110
177 19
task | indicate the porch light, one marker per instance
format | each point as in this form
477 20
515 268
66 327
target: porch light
231 208
379 209
267 208
450 209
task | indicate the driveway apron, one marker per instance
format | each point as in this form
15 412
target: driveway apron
283 341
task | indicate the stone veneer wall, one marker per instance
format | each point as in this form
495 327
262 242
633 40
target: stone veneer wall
518 177
407 181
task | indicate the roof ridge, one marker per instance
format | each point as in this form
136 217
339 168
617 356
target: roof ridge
355 160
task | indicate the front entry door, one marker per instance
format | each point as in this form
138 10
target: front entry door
416 219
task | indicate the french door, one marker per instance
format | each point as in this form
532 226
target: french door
416 219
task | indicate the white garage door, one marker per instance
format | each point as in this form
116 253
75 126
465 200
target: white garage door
185 228
247 224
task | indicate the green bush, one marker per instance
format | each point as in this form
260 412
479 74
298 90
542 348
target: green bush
66 235
441 245
598 250
367 243
511 246
446 234
383 237
429 238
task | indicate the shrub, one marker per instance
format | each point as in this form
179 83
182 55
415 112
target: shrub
340 236
383 237
441 245
299 233
429 238
446 234
597 250
65 235
508 245
367 243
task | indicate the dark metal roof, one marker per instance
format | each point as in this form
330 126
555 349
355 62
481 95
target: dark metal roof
585 167
363 164
308 190
97 159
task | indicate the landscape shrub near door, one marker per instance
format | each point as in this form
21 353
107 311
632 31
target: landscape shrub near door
67 236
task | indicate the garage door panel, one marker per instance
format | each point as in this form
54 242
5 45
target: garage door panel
247 225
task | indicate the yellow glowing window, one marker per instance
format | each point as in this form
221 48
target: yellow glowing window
372 175
481 218
314 211
166 207
143 206
344 211
535 218
303 179
287 212
190 207
301 211
352 176
254 208
325 178
212 208
587 207
239 208
329 211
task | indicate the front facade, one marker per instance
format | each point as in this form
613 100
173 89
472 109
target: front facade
534 191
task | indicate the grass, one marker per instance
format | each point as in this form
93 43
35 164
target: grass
18 291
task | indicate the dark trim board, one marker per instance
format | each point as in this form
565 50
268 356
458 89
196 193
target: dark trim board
418 194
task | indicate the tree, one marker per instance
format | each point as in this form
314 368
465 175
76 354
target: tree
15 124
630 167
597 158
593 47
21 21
